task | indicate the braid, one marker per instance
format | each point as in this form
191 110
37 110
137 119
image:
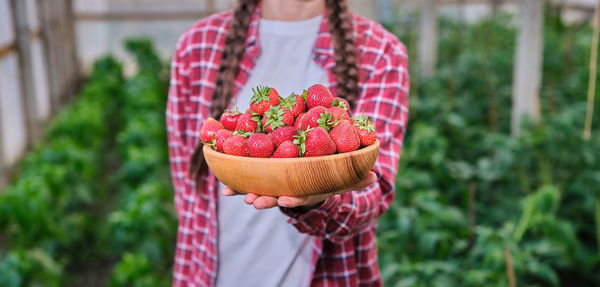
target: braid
340 28
230 66
232 55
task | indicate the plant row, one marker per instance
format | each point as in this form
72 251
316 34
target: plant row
93 202
474 204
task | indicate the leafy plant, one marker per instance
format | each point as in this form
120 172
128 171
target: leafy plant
456 220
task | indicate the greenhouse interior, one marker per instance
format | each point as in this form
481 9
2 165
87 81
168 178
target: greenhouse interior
497 183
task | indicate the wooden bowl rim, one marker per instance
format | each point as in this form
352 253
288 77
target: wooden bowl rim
367 149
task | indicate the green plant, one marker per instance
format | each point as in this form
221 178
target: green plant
456 214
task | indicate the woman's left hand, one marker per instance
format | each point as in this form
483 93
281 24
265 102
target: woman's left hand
264 202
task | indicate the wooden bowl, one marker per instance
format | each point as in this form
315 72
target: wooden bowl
292 176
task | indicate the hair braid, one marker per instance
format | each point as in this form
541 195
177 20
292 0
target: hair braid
346 70
230 66
232 55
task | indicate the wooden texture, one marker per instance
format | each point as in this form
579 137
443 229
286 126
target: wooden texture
510 270
49 53
3 165
59 46
5 50
527 75
26 69
428 38
587 130
71 49
135 15
292 176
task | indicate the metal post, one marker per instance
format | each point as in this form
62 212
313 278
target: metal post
428 38
26 70
528 63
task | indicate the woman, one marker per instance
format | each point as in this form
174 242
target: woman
325 240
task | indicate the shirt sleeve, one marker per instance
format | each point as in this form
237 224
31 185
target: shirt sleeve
176 118
384 98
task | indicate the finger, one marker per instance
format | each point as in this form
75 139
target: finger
264 202
290 201
250 198
229 192
369 179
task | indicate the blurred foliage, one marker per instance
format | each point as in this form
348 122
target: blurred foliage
467 193
68 205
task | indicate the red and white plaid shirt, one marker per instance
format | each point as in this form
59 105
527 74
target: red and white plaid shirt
344 226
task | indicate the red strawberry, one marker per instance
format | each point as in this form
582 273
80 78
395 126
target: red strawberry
294 103
338 114
283 134
249 122
263 98
230 118
309 120
286 149
298 120
260 145
220 138
318 95
209 129
314 142
236 145
345 137
341 103
365 128
277 117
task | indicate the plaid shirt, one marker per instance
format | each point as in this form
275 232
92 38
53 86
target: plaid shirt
344 226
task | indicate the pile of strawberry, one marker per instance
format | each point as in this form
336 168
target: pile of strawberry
312 124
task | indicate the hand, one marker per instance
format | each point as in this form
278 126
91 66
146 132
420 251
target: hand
264 202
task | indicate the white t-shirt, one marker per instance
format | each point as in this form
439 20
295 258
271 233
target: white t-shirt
259 247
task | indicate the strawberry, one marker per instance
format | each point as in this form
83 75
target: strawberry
236 145
298 120
283 134
286 149
263 98
294 103
314 142
338 114
230 118
309 120
341 103
220 138
277 117
365 128
249 122
345 137
209 129
332 117
318 95
260 145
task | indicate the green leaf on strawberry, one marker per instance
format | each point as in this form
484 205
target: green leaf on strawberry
260 94
299 141
326 121
364 123
258 119
242 133
304 95
288 102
